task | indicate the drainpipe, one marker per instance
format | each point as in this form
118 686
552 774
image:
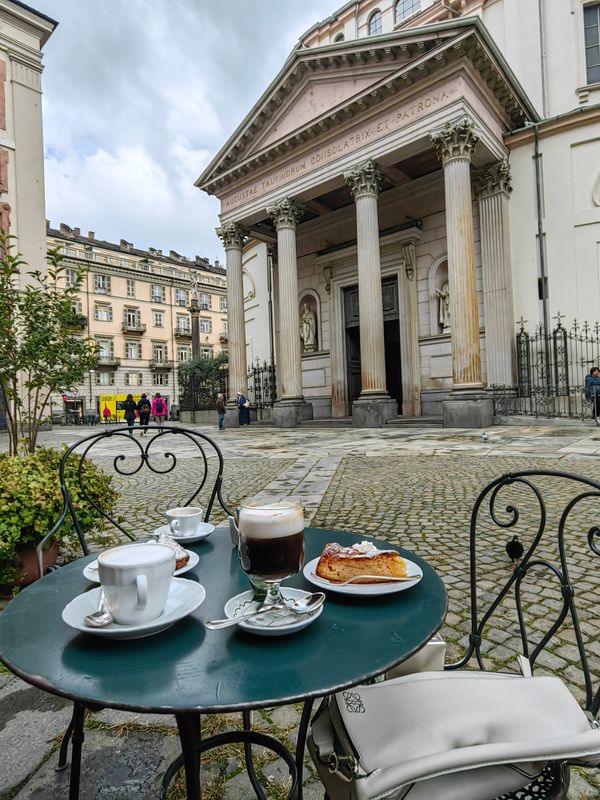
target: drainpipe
270 303
542 56
356 6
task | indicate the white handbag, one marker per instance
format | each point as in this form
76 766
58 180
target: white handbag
459 735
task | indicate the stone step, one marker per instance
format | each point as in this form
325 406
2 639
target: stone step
416 422
327 422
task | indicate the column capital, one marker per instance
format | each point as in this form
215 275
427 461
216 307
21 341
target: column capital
364 179
286 213
492 179
455 141
233 235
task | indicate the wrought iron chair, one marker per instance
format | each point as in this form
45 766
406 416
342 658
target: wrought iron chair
139 454
556 542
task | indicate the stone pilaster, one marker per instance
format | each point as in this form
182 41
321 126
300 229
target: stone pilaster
291 406
467 405
492 189
233 237
374 405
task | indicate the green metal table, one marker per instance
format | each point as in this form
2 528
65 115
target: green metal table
189 671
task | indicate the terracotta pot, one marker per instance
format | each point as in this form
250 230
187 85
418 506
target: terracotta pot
28 568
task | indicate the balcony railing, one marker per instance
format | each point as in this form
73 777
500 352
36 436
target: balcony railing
182 332
78 322
133 327
223 338
108 361
161 363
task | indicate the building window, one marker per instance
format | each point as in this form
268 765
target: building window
181 297
160 379
183 323
591 24
184 353
375 23
225 326
130 287
105 348
133 350
204 302
223 304
103 312
159 351
205 325
406 8
132 317
157 293
133 379
159 319
339 38
71 277
102 284
206 352
105 378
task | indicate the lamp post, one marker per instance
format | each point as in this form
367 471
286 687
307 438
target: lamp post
91 376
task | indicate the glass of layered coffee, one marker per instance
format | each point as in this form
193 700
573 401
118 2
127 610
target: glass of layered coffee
271 543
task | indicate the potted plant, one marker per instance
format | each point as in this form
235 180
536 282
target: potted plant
31 502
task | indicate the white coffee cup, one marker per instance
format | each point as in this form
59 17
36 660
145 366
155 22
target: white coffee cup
185 521
136 580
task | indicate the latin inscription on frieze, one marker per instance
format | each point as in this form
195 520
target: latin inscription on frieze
353 140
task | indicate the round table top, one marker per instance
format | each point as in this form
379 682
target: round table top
188 667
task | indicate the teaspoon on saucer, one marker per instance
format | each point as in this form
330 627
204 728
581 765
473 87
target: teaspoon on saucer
303 605
101 616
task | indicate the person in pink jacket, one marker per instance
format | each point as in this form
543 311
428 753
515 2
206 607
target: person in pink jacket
159 409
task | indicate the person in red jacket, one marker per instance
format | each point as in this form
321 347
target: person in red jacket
159 409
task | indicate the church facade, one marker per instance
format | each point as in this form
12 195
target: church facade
407 188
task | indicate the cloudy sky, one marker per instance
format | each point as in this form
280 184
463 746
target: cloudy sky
139 95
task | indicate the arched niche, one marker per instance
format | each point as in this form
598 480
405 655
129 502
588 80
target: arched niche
310 328
438 282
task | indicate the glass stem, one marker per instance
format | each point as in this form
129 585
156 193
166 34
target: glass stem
273 595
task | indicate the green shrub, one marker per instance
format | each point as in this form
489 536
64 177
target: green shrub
31 502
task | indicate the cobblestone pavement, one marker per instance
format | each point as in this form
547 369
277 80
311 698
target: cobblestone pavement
413 487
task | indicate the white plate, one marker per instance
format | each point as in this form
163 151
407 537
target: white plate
204 529
364 589
184 597
90 571
275 623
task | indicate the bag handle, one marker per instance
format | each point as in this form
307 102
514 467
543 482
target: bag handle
323 735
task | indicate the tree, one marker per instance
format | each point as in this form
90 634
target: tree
40 351
200 381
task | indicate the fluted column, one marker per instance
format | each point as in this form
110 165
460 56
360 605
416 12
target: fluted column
290 406
467 406
455 145
492 189
365 182
233 237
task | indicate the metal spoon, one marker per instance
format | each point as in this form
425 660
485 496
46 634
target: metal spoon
303 605
101 616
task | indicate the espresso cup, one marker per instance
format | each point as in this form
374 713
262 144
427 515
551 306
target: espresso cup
136 580
184 521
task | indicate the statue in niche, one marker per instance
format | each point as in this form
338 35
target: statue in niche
308 328
444 307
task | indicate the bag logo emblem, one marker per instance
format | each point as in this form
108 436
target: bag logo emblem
354 703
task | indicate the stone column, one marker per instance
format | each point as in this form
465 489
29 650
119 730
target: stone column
409 333
374 406
233 237
492 189
291 407
468 406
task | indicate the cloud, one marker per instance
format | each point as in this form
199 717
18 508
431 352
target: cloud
138 97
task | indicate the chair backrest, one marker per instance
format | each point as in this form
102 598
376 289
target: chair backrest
552 514
139 459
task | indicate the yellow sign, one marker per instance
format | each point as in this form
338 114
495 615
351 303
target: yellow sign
111 406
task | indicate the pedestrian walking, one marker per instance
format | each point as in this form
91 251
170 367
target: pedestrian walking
106 414
159 409
144 410
244 407
592 389
130 407
221 410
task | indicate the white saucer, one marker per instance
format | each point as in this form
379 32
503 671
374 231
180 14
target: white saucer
184 597
90 571
364 589
204 529
275 623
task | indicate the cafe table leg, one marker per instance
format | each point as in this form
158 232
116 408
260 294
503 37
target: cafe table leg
247 722
301 741
77 744
190 737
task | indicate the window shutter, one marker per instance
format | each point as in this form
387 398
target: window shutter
110 316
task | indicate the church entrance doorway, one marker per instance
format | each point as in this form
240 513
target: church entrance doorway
391 330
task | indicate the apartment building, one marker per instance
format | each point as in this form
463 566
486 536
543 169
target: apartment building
136 305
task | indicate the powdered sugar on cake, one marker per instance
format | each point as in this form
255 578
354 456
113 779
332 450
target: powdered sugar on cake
363 550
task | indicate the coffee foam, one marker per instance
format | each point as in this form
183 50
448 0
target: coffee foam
131 555
184 511
272 521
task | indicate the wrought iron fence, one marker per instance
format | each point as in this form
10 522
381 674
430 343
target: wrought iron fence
262 386
198 392
551 371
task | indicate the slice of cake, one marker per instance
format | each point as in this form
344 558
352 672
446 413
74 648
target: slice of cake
339 563
182 556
